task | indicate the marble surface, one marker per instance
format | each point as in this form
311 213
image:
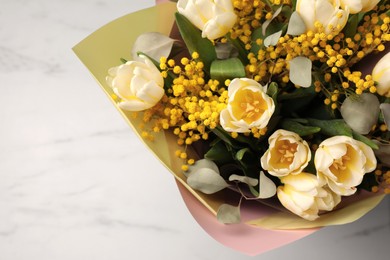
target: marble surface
77 184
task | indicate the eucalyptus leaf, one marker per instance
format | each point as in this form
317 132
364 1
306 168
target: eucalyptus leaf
194 41
361 112
225 50
383 153
155 45
206 180
229 214
300 71
296 25
267 187
268 22
204 163
273 39
227 69
332 127
242 52
244 179
385 108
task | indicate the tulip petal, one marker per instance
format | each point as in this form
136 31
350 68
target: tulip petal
150 92
133 105
302 182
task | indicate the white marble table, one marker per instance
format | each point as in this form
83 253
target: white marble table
77 184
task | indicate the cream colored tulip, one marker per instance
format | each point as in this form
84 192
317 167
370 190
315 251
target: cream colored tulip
357 6
381 74
325 12
287 154
139 85
214 18
327 200
303 195
248 106
342 162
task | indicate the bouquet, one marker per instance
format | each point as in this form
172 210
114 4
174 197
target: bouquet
281 107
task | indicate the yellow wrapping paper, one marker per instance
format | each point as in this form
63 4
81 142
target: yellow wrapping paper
103 50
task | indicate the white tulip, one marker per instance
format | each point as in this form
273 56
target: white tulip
326 12
303 195
139 85
326 199
287 154
357 6
248 106
381 74
214 18
342 162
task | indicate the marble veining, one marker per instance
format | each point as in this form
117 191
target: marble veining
75 181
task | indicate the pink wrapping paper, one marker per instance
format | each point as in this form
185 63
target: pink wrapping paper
244 238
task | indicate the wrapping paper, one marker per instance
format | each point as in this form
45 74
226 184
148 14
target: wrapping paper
263 228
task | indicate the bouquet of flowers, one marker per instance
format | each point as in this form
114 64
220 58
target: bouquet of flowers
285 103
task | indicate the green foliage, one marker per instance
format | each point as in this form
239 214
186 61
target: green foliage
227 69
194 41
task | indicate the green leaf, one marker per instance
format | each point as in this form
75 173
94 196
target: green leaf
353 22
194 41
300 71
225 137
241 153
298 93
365 140
332 127
294 4
227 69
257 34
295 126
206 180
244 179
229 214
273 90
219 153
